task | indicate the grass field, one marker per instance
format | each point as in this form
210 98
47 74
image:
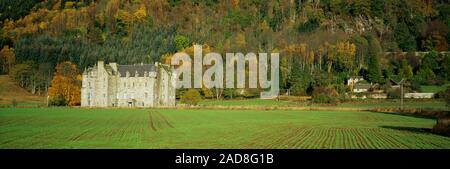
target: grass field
165 128
249 102
433 89
411 104
366 104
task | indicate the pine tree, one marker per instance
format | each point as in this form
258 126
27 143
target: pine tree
374 72
406 41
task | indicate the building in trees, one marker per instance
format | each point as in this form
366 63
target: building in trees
358 84
139 85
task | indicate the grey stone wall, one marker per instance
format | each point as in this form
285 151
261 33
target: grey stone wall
103 86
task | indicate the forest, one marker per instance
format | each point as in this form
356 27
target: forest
321 42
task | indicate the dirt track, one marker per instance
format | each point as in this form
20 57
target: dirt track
158 121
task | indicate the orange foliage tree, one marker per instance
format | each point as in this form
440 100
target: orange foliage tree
66 83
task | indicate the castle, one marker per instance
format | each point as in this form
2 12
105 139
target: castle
139 85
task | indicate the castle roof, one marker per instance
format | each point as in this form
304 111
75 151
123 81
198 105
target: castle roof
132 69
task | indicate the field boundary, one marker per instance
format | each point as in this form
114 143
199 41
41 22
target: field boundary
253 107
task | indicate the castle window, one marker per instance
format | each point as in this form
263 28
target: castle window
145 84
146 95
124 84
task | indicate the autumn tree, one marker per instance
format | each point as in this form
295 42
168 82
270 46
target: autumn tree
341 56
140 15
7 59
66 84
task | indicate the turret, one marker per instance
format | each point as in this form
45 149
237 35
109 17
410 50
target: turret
101 65
113 66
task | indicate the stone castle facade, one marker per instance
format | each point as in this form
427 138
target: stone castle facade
139 85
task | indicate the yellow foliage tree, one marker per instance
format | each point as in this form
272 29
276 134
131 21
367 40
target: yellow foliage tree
66 83
166 58
240 41
342 55
235 4
140 15
7 58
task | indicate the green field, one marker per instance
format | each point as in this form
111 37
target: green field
248 102
433 89
166 128
409 104
363 104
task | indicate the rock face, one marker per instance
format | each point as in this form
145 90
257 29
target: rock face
139 85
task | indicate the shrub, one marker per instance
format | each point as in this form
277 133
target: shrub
58 101
324 98
444 94
229 93
325 95
251 93
394 93
191 97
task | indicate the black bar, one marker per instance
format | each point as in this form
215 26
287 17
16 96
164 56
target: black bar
167 157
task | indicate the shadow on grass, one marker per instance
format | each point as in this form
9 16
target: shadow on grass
415 130
406 114
410 129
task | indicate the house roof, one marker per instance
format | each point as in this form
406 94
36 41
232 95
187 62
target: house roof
132 69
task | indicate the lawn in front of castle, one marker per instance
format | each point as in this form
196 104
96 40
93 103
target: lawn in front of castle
168 128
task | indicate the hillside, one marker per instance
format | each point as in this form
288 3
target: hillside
9 91
321 42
